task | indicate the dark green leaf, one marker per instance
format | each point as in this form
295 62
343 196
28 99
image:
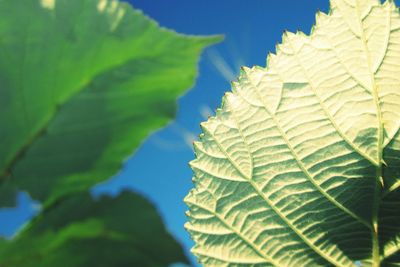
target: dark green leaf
78 231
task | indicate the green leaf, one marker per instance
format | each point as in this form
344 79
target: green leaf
79 231
83 82
301 164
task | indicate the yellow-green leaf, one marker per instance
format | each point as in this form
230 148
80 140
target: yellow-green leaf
82 83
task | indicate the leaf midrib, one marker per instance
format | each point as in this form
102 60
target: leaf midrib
378 176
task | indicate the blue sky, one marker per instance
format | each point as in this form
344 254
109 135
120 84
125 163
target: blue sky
160 169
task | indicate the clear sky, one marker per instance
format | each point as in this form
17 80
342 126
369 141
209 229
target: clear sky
160 169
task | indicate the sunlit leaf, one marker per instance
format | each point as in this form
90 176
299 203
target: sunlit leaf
300 166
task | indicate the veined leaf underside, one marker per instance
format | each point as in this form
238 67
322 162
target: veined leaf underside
299 167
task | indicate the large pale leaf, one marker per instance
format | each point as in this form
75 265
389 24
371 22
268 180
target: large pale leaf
79 232
82 83
300 166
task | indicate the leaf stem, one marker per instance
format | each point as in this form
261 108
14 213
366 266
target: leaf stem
375 237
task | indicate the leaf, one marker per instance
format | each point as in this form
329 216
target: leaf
79 231
300 165
82 84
